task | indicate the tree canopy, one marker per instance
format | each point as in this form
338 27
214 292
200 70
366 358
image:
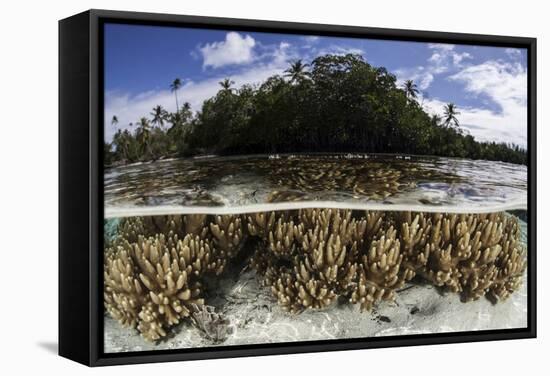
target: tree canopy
333 104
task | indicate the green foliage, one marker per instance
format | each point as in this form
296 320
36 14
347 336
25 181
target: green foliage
334 104
108 155
162 136
174 87
410 88
451 115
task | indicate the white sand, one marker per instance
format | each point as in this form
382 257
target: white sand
256 318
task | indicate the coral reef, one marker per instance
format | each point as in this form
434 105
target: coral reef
130 229
227 233
154 269
150 283
380 272
311 257
370 178
152 273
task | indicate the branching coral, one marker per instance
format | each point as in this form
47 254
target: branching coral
227 233
311 257
154 269
259 224
329 243
413 237
497 260
311 262
130 228
372 179
194 223
380 272
153 282
475 254
296 293
450 245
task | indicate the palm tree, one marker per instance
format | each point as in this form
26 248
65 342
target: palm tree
174 86
159 115
297 71
436 120
114 121
450 115
185 112
121 140
178 119
186 107
143 133
119 143
226 84
411 90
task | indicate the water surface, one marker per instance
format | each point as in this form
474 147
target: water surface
225 185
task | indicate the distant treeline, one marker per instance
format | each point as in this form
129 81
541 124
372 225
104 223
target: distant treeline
334 104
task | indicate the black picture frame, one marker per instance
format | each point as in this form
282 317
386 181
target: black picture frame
81 187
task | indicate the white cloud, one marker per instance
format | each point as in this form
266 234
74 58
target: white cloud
311 39
422 76
487 125
282 54
506 85
458 57
503 83
444 56
441 46
129 108
236 49
514 53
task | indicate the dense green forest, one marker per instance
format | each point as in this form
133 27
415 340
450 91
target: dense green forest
334 104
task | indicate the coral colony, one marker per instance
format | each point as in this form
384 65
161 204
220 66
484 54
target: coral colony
155 268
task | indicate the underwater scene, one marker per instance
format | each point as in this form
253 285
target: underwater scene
317 262
273 188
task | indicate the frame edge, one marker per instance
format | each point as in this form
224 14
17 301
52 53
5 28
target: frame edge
95 357
74 245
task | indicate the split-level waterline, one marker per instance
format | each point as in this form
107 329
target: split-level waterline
315 234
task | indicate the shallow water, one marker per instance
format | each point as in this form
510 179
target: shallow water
242 186
253 315
224 185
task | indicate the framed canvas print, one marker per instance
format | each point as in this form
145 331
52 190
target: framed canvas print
237 187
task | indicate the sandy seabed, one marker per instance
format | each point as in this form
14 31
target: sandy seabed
255 318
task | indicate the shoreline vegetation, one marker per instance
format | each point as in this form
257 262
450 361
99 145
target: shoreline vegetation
335 104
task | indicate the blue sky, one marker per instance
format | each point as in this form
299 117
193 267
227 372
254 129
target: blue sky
488 84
